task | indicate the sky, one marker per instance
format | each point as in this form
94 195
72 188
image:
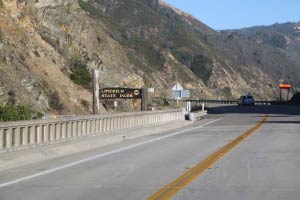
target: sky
232 14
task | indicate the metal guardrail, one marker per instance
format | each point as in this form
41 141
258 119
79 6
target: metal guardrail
234 102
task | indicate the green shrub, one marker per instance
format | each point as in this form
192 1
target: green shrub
11 112
1 35
150 53
81 75
55 102
296 98
278 41
201 65
85 104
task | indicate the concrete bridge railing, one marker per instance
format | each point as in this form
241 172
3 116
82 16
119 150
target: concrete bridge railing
25 134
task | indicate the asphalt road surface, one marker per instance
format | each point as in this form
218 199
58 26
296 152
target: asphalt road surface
265 165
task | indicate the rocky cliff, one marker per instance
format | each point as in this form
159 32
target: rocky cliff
134 43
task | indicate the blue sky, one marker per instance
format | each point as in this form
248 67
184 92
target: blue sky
230 14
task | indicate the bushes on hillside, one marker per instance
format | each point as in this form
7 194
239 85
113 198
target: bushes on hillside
296 98
81 75
10 112
201 65
278 41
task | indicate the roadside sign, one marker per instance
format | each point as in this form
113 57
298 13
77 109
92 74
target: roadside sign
185 93
151 90
285 86
120 93
178 94
177 87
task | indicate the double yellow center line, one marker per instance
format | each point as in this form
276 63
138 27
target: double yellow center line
174 187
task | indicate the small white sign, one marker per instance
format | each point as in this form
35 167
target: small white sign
176 94
178 86
185 93
151 90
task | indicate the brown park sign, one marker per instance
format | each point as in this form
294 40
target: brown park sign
120 93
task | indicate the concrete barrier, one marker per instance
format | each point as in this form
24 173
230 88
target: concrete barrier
26 134
194 116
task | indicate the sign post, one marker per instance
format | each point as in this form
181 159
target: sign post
144 99
176 93
96 100
285 87
115 105
179 92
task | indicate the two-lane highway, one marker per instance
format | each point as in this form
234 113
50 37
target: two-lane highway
262 164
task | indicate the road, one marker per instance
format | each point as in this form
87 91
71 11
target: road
266 165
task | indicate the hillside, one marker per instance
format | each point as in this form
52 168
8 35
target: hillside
284 41
49 47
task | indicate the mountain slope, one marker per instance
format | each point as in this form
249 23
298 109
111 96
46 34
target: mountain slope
134 43
211 56
278 46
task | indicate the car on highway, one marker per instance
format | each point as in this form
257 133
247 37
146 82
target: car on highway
246 100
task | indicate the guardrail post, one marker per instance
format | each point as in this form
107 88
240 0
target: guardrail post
107 125
96 128
111 124
117 127
69 129
101 124
117 120
74 129
88 127
104 128
63 130
24 136
1 139
122 121
128 121
79 129
83 127
97 124
57 131
45 129
17 136
52 132
31 134
132 121
39 134
92 127
125 122
9 138
138 120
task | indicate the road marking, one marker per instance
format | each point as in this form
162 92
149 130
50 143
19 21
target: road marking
26 178
180 183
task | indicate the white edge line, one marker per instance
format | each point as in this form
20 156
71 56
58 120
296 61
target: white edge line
99 156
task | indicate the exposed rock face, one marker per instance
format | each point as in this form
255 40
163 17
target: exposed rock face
41 39
133 43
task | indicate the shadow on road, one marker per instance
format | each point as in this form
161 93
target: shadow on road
282 122
283 111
